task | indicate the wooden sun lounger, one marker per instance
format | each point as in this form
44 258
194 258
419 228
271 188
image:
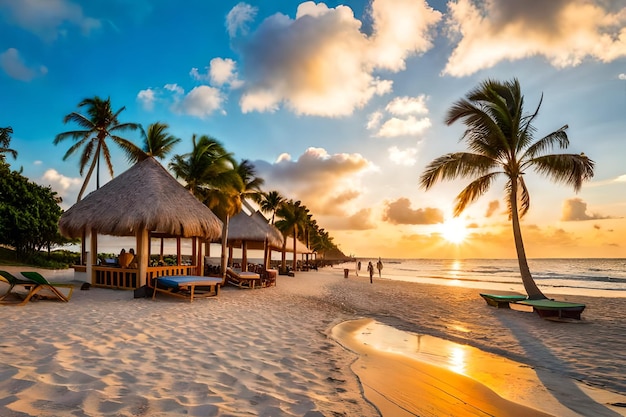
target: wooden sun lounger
187 286
555 309
243 279
502 300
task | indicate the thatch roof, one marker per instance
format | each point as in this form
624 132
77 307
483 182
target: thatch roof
300 246
244 227
145 196
274 235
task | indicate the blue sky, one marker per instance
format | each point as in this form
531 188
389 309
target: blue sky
339 104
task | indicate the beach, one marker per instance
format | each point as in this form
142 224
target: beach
277 352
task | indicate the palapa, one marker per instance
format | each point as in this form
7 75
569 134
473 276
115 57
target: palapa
146 196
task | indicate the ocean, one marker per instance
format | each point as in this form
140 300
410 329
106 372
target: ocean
593 277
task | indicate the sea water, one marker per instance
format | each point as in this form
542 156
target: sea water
596 277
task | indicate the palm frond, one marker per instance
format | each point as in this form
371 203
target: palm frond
569 169
557 138
473 191
455 165
523 197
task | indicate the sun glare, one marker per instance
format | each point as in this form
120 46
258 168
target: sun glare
454 230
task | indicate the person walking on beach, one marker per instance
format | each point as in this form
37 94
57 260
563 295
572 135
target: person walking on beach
379 266
358 268
370 269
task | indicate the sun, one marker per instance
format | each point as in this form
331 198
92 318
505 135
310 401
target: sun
454 230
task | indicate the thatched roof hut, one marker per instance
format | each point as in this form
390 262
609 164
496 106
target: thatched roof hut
144 201
146 196
253 229
250 232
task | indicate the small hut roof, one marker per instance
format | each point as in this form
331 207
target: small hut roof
244 227
275 238
300 246
145 196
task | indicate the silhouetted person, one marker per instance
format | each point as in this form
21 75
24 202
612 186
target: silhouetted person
370 269
379 266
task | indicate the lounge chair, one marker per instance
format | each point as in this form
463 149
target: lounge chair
51 288
502 300
15 281
242 279
39 287
547 308
188 287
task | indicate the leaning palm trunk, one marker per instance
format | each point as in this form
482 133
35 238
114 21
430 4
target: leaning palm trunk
534 293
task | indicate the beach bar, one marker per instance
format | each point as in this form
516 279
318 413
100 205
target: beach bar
145 202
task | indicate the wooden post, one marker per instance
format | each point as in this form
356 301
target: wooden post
142 256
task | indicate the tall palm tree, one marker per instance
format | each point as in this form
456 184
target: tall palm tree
5 140
270 202
501 141
157 142
99 124
210 174
293 219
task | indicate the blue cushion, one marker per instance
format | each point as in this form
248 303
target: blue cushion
176 280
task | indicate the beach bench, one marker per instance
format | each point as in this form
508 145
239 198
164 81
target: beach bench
502 300
555 309
188 287
243 279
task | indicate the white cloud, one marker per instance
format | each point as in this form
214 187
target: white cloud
13 65
403 157
406 124
224 71
401 28
48 19
564 32
621 178
401 106
174 88
374 119
622 76
201 102
146 98
410 126
66 187
295 62
238 18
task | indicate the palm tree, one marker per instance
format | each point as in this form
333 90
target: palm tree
294 217
157 142
99 124
501 143
270 202
5 140
210 174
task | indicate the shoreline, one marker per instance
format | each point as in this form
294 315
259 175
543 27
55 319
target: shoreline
251 351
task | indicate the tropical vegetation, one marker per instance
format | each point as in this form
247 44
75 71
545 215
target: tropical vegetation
29 213
208 171
501 142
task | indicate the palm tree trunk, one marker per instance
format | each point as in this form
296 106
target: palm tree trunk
295 234
87 178
534 293
224 245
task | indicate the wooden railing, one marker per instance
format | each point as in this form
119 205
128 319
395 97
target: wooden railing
126 278
111 277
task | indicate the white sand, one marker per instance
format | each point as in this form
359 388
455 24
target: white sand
268 352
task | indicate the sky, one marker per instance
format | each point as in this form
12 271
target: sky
340 105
